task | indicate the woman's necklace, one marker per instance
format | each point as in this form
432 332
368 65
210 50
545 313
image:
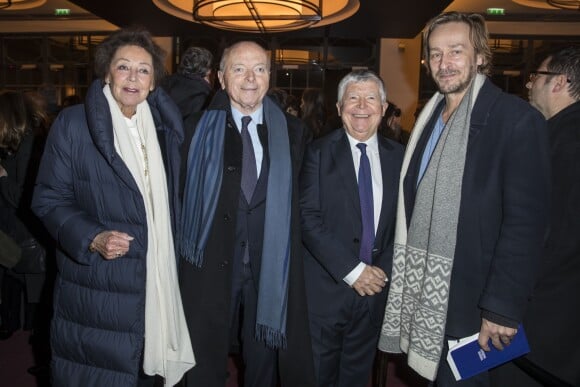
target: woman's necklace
145 158
143 149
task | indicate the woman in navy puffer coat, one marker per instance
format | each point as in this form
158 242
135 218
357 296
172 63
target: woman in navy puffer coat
89 195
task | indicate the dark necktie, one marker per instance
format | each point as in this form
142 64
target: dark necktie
249 172
365 190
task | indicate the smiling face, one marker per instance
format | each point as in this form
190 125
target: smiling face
361 109
452 58
130 77
245 76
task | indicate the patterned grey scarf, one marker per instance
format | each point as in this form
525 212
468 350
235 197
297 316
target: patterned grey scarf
416 310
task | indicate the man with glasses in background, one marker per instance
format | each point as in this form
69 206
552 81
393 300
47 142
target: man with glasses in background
551 321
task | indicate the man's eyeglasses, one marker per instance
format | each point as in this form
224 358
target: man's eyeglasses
536 74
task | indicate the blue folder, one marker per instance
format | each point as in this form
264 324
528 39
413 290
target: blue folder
467 358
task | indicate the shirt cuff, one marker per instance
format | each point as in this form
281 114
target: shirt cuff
354 274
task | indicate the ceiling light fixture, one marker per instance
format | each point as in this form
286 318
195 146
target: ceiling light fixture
18 5
565 4
260 16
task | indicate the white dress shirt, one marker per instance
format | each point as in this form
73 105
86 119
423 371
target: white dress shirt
257 117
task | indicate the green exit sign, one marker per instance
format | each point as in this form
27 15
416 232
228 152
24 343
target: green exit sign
495 11
62 12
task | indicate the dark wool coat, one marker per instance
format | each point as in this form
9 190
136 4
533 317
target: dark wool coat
84 188
191 93
553 317
206 291
503 212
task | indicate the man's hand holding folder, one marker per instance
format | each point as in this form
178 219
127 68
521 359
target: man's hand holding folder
467 357
498 334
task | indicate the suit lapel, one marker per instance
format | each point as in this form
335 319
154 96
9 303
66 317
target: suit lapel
389 174
342 157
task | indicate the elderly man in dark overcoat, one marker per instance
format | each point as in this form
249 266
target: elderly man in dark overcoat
241 275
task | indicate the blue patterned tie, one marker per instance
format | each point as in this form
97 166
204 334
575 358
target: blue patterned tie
365 190
249 171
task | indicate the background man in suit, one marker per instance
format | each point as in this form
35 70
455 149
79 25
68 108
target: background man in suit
242 275
472 208
348 233
554 89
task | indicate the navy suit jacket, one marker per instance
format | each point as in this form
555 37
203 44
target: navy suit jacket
331 220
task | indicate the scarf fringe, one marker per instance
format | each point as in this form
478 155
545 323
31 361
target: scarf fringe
191 252
273 338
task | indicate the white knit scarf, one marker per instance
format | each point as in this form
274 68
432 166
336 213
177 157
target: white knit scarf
168 351
416 310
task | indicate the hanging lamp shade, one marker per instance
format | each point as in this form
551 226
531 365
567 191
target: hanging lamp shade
260 16
19 5
565 4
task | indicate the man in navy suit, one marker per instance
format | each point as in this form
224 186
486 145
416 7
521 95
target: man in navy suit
348 233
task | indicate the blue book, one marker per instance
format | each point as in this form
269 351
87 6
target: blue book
466 358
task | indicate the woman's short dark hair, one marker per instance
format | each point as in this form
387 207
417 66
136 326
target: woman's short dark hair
132 36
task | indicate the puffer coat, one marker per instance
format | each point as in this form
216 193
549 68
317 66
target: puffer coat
84 188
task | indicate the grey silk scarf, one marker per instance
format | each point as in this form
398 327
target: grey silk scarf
416 310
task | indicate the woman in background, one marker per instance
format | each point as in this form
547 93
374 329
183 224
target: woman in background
21 124
313 111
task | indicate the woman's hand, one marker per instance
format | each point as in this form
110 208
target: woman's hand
111 244
3 172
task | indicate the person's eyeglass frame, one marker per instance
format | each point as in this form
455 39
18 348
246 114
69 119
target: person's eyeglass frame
535 74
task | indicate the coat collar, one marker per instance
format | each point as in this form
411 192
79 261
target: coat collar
572 109
488 95
99 121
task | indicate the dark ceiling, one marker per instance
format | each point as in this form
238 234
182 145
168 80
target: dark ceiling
374 19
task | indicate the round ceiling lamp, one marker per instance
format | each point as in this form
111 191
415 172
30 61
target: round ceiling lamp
545 4
19 5
260 16
565 4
